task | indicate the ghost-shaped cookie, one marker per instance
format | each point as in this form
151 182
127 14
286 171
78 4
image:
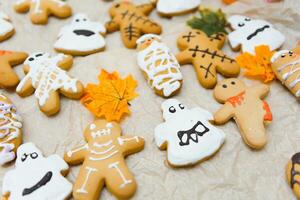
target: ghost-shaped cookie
81 37
187 134
6 27
249 33
176 7
36 177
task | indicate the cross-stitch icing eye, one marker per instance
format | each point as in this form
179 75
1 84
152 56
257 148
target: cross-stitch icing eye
181 106
247 19
172 109
198 33
241 24
224 86
24 157
232 83
34 155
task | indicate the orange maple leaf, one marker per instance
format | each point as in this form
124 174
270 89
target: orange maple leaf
110 98
259 65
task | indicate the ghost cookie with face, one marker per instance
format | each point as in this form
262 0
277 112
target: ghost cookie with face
36 177
249 33
176 7
187 134
6 27
286 66
81 37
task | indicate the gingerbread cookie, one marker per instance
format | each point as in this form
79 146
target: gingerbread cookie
176 7
47 76
103 161
293 174
187 134
205 55
81 37
132 21
244 105
286 66
36 177
10 130
40 10
249 33
159 65
6 27
8 59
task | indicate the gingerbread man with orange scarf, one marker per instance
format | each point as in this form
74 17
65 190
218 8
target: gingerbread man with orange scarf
244 104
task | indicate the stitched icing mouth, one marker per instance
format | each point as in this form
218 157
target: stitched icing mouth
83 32
39 184
185 136
257 32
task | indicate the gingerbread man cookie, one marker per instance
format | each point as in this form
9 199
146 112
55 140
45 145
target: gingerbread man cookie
81 37
245 106
47 76
205 55
103 161
36 177
10 130
132 21
6 27
187 134
293 174
249 33
159 65
40 10
8 59
286 66
176 7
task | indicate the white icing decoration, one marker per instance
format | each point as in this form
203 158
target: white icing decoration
104 157
95 144
194 149
5 25
278 54
69 40
103 152
30 171
159 52
82 189
70 153
92 126
176 6
46 76
122 140
250 33
116 166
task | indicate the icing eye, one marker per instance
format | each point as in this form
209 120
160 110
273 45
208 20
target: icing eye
232 83
291 53
31 59
24 157
241 24
172 109
181 106
34 155
117 5
224 86
283 55
84 19
38 55
77 20
247 19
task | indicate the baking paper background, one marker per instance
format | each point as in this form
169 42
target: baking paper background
235 172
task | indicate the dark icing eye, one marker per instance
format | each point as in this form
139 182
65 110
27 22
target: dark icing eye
34 155
232 83
241 24
84 19
283 55
172 109
117 5
77 20
181 106
247 19
31 59
24 157
38 55
224 86
291 53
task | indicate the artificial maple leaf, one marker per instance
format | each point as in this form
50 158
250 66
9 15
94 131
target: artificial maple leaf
259 65
110 98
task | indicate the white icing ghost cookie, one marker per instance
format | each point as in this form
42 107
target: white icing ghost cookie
187 134
81 37
6 27
249 33
176 7
36 177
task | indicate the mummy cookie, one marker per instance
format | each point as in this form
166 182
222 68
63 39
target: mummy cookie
132 21
81 37
293 172
159 65
8 59
40 10
103 161
286 66
6 27
36 177
249 33
187 134
176 7
244 105
47 76
10 130
204 54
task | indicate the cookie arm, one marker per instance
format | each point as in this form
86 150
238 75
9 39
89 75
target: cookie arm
58 163
131 144
224 114
22 6
184 57
64 61
146 8
77 155
234 43
112 26
160 137
25 87
6 187
260 90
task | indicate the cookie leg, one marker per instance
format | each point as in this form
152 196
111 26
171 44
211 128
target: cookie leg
253 133
38 15
130 33
22 6
120 181
71 94
60 9
207 75
89 184
52 104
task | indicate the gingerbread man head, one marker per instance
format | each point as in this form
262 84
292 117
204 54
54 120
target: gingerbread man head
228 88
121 7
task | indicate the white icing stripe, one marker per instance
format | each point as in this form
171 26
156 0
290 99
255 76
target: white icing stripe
116 166
103 152
95 144
83 187
294 68
105 157
70 153
122 140
5 25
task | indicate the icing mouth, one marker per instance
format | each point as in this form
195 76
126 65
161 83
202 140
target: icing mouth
84 32
257 32
197 130
39 184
